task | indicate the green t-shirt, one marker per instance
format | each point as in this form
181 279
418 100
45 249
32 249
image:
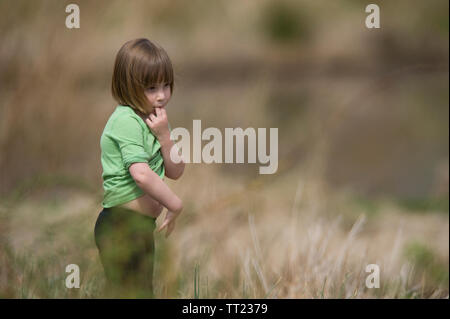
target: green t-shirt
126 139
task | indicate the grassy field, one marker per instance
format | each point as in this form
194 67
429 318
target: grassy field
281 238
363 122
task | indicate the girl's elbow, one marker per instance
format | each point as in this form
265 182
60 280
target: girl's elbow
181 170
175 175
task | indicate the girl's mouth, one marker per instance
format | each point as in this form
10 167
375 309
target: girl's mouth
154 109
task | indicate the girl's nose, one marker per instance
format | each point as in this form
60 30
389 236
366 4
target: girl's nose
160 96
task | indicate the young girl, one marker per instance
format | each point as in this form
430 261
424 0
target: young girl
135 157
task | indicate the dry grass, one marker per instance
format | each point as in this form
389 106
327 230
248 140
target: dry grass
288 238
352 107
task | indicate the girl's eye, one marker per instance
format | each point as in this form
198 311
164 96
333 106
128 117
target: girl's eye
151 88
167 84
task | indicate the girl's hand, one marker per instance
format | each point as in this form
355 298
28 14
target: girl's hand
169 222
159 124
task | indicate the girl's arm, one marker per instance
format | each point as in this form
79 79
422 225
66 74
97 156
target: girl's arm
154 186
159 126
173 170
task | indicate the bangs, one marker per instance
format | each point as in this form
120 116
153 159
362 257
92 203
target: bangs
157 69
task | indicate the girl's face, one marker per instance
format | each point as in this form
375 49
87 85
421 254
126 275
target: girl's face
158 96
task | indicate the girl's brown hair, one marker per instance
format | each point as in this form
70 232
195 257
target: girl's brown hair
139 64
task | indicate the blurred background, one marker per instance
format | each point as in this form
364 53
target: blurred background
362 118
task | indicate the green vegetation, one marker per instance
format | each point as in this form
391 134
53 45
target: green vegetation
427 263
425 204
284 23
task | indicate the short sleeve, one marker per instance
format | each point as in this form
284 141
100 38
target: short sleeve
129 136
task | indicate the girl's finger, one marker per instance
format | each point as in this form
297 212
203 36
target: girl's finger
158 112
149 123
162 226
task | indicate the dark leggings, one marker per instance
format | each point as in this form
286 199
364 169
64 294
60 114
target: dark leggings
125 242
